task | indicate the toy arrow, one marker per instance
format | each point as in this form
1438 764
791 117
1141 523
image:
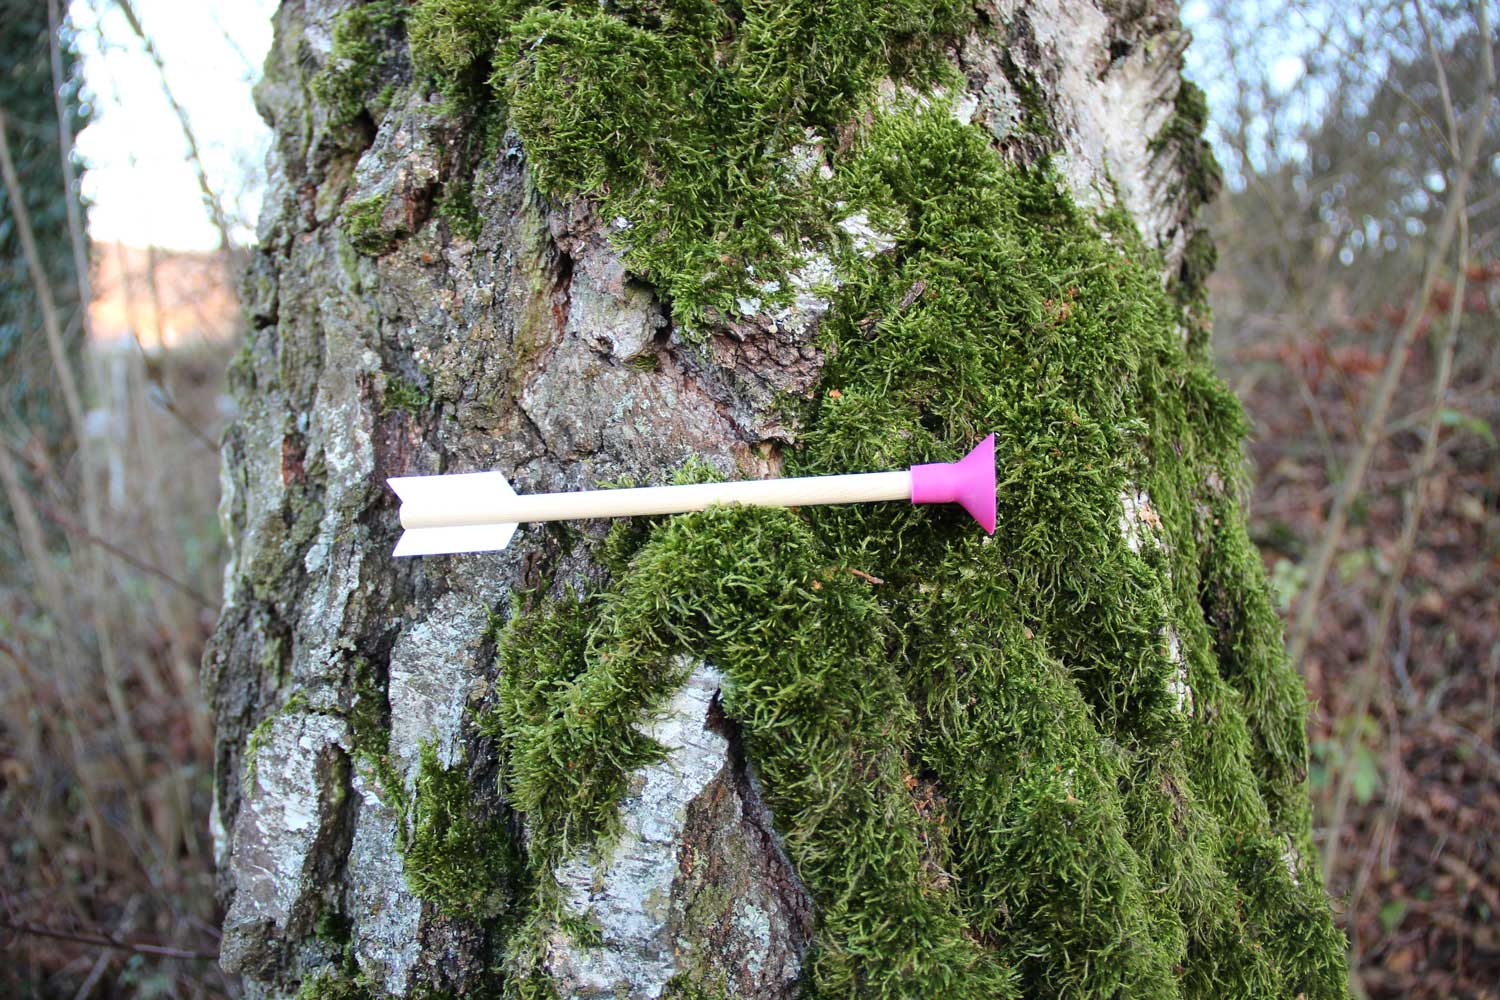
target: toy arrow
479 512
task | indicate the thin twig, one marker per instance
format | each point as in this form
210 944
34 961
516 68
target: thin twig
54 602
1374 427
153 283
1442 78
42 287
210 199
164 394
1367 679
72 400
75 224
251 70
104 940
49 583
73 527
101 965
1453 731
70 178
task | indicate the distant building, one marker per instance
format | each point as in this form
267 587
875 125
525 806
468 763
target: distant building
166 298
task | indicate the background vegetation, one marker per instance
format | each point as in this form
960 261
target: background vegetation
1356 304
1369 359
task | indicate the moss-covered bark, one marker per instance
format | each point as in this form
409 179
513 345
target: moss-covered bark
839 752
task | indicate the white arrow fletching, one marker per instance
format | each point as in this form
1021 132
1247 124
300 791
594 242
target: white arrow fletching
440 491
420 494
445 541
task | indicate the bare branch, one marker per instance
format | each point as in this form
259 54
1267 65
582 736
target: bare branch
74 528
105 940
1442 77
70 176
1374 425
1367 679
210 198
43 288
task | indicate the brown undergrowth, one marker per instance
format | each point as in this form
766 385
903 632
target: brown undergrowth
1418 872
106 753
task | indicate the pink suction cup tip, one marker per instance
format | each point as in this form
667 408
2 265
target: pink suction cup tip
969 481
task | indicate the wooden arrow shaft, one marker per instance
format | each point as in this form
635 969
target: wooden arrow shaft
496 508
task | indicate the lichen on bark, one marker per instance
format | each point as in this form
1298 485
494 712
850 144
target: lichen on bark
837 752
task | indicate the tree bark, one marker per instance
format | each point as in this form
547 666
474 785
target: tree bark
417 305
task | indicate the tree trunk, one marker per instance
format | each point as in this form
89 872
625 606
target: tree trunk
860 751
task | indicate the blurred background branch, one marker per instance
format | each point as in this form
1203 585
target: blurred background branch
114 353
1355 312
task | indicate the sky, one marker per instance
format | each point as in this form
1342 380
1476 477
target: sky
140 183
1286 69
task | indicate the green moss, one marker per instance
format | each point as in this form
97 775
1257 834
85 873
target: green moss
296 702
681 117
257 739
457 206
1183 133
331 985
362 224
1036 115
1101 832
1065 760
333 928
369 725
456 850
343 985
1190 288
625 538
455 856
683 987
452 41
1198 262
401 394
582 929
365 228
363 39
539 660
